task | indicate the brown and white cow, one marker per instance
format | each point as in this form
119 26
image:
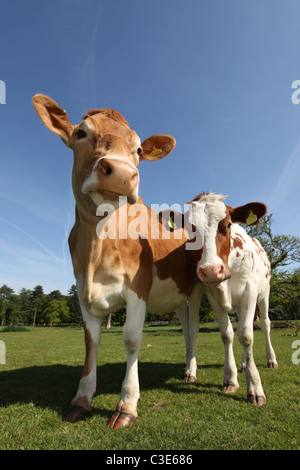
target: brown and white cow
146 273
236 272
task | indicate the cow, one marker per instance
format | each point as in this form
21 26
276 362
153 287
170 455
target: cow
236 272
146 273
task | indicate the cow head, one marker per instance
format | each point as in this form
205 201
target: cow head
106 152
214 219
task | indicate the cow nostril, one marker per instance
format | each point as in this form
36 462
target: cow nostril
134 178
105 167
202 273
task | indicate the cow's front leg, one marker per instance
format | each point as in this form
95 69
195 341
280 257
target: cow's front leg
126 412
230 381
81 403
255 393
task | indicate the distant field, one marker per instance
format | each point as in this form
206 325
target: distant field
43 367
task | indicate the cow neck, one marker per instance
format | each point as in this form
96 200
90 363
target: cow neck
88 245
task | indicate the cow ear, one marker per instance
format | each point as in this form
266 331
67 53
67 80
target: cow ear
249 214
53 116
157 147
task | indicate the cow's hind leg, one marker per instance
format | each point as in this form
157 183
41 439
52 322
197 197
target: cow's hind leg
126 412
183 315
190 327
81 403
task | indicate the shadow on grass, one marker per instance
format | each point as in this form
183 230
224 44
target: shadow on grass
54 386
161 330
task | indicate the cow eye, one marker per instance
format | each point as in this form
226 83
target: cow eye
224 228
80 134
140 151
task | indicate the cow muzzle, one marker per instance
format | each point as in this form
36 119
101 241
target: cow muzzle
112 177
213 274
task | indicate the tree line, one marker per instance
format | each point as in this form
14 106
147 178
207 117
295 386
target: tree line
34 307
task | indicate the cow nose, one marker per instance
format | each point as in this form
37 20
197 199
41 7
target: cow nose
118 168
212 273
117 175
104 166
134 180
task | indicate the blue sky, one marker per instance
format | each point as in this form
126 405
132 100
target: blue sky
215 74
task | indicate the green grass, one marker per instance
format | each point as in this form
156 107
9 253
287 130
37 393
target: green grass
43 367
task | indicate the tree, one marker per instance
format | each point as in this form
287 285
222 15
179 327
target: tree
55 295
6 297
57 311
108 322
12 312
285 294
119 316
38 299
25 306
73 304
206 313
282 250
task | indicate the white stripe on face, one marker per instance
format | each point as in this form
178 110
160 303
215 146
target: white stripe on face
213 214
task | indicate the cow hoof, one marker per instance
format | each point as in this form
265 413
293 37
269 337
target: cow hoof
230 388
256 400
192 379
189 378
75 413
272 365
121 420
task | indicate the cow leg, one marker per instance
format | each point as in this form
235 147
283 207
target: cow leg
193 310
243 364
263 306
255 393
183 315
81 403
126 412
230 381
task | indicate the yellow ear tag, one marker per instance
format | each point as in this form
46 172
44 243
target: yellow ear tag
251 219
155 151
172 224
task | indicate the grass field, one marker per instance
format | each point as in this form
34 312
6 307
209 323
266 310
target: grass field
43 367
